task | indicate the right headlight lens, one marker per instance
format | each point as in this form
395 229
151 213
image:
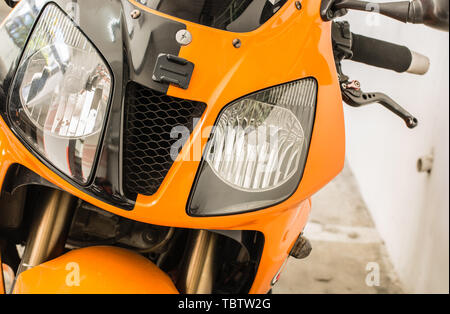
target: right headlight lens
255 146
257 151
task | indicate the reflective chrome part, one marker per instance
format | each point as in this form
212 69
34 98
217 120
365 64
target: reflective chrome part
8 277
184 37
46 238
198 274
135 14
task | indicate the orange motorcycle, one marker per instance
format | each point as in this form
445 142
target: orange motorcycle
172 146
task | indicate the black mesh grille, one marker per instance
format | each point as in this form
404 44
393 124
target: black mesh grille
150 117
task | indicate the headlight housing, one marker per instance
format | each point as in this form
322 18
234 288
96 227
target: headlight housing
61 95
257 151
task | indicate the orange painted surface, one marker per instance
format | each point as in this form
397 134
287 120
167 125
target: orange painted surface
2 284
96 270
292 45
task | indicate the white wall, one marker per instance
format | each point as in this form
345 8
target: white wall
410 209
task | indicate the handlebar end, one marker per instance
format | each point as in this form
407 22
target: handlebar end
420 64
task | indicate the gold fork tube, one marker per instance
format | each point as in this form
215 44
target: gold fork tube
199 271
49 228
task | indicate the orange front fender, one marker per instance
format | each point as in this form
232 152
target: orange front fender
96 270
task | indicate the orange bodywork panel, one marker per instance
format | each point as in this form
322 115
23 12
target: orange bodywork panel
293 44
2 283
93 270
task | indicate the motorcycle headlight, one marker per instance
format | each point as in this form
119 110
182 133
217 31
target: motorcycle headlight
257 151
61 95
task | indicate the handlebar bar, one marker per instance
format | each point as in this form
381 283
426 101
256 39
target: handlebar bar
433 13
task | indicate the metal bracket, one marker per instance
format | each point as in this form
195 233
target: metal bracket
302 248
342 40
328 12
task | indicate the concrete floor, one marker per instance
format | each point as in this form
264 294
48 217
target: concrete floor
344 242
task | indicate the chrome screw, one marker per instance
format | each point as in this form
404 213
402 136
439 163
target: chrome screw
298 5
183 37
135 14
237 43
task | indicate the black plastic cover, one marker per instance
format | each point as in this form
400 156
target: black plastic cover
173 70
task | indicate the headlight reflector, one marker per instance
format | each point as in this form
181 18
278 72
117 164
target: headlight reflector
255 146
257 151
61 95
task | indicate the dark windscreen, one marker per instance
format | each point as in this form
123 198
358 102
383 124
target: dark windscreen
231 15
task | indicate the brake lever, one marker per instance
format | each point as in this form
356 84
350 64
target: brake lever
355 97
351 90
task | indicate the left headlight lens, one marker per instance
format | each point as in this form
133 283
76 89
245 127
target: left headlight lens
61 95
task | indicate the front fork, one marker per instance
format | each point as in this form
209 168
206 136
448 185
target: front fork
53 212
199 264
52 215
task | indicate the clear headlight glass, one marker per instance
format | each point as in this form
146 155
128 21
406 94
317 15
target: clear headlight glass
257 151
61 95
255 146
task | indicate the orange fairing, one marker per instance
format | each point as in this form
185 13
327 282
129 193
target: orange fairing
293 44
2 284
94 270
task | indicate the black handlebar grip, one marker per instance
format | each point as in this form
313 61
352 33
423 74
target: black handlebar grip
381 53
